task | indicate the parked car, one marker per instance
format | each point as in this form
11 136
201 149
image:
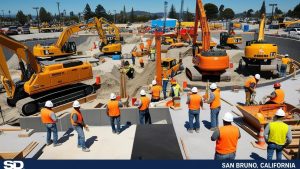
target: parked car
25 30
12 30
294 31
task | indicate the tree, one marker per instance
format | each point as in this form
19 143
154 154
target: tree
262 9
188 16
221 9
44 15
296 11
249 13
211 11
289 13
100 12
29 16
71 14
172 13
87 13
124 15
21 18
228 13
278 11
132 16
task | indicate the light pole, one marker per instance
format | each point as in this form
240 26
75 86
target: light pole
37 16
165 17
2 16
115 16
58 12
273 5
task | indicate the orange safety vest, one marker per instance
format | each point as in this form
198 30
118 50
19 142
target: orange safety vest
79 117
285 61
156 92
195 101
46 116
217 101
279 98
113 108
228 139
249 81
145 103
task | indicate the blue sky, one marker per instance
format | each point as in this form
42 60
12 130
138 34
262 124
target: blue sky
145 5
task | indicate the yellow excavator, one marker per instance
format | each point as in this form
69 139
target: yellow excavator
259 53
229 40
38 83
110 42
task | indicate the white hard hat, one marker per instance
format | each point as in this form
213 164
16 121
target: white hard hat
154 82
76 104
49 104
113 96
280 113
257 76
143 93
194 90
286 55
213 86
228 117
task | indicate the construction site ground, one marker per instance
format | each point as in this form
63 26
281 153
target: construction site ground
100 139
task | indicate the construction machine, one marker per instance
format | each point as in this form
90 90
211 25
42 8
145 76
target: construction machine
38 83
111 42
170 67
229 40
259 53
207 62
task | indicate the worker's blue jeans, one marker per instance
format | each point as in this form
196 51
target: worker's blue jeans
51 128
133 60
230 156
112 123
81 138
194 114
214 117
270 151
145 117
283 70
165 85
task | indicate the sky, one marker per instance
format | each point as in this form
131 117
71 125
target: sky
142 5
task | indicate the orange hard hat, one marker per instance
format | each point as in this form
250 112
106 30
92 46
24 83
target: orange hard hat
277 85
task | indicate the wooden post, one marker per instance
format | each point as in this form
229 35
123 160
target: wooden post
158 58
123 92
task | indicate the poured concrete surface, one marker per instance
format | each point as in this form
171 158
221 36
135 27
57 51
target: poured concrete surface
101 141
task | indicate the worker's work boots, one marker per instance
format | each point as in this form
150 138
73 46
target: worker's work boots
190 131
57 144
86 150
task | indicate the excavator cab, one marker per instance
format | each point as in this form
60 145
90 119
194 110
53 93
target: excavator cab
170 67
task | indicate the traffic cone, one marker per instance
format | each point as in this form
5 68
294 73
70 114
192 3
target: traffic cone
261 144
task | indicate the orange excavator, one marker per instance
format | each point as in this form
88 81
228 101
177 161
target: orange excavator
207 62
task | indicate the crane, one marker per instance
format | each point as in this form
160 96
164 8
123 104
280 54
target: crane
259 54
38 83
206 62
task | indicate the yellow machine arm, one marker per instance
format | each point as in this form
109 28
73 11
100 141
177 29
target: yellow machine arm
261 34
115 28
6 79
99 28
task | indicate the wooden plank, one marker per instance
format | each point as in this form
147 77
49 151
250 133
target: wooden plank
11 155
26 133
289 157
90 97
10 129
29 148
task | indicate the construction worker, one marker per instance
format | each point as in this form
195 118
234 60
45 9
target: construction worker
143 105
49 119
141 62
284 63
278 135
194 101
133 58
152 54
226 138
155 91
78 125
250 86
175 89
165 81
215 105
277 96
113 111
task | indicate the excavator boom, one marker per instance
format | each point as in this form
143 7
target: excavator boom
261 33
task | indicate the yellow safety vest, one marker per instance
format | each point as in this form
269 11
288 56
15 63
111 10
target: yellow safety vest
278 132
176 90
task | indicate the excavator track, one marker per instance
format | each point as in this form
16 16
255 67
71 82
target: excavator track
193 74
31 105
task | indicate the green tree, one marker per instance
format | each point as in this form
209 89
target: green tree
71 14
211 11
132 15
172 13
44 15
228 13
221 10
262 9
87 13
124 15
100 11
29 17
278 11
21 18
289 13
188 16
296 12
249 13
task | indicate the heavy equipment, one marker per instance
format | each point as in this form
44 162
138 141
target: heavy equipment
229 40
207 62
38 83
260 54
170 67
111 41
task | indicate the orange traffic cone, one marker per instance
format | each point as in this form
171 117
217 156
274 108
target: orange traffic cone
261 144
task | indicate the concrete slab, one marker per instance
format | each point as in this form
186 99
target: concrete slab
101 141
